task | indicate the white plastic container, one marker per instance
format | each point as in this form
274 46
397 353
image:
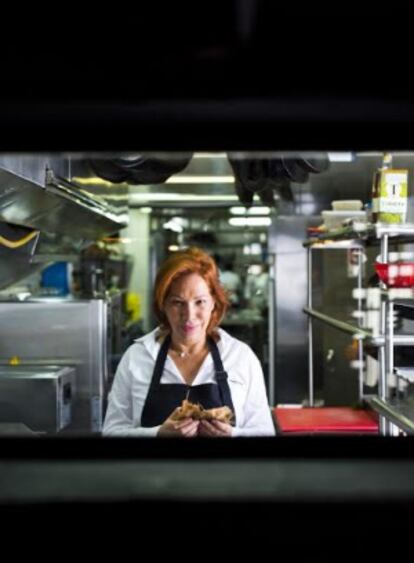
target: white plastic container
334 219
347 205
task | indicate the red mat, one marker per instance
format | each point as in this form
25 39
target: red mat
325 419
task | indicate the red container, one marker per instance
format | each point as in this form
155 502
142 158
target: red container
396 274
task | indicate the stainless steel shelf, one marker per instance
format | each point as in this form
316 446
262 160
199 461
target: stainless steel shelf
335 245
403 340
403 230
405 373
340 325
346 233
370 235
399 293
359 333
398 340
41 362
401 414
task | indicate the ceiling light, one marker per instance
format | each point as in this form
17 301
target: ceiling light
250 221
381 154
209 155
146 197
340 156
200 180
257 210
145 209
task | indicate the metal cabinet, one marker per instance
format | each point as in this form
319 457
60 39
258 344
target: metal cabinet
63 332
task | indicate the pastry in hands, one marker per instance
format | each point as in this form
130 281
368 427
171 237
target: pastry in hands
223 414
197 412
188 410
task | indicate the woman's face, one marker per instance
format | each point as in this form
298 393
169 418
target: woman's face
188 307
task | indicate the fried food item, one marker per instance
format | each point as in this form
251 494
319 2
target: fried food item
188 410
223 414
197 412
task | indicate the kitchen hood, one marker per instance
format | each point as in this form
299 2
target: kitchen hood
37 192
41 207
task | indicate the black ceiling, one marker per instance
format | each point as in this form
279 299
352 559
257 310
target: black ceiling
236 74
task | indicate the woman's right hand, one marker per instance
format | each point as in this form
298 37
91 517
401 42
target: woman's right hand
185 428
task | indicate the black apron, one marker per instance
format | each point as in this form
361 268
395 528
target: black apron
163 399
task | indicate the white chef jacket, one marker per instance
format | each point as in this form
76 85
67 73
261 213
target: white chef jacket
133 377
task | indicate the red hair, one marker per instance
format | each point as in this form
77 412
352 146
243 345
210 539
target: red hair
193 260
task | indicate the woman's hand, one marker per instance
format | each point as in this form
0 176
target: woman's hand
185 428
214 428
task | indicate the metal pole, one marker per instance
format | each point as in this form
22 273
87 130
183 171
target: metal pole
310 329
350 329
383 353
271 328
397 417
389 345
360 344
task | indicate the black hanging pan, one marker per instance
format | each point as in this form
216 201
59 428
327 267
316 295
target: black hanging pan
294 171
316 165
250 172
245 196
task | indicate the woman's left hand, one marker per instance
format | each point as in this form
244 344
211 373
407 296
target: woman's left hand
214 428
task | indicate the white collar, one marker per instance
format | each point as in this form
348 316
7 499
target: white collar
152 344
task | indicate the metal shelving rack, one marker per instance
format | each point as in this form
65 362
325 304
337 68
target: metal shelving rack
393 414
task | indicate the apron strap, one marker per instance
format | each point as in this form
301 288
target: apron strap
221 375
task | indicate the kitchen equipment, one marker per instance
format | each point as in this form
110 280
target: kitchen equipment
141 168
39 397
64 332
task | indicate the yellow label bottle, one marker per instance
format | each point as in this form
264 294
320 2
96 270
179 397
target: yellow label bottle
389 193
392 200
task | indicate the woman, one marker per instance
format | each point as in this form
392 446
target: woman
188 357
